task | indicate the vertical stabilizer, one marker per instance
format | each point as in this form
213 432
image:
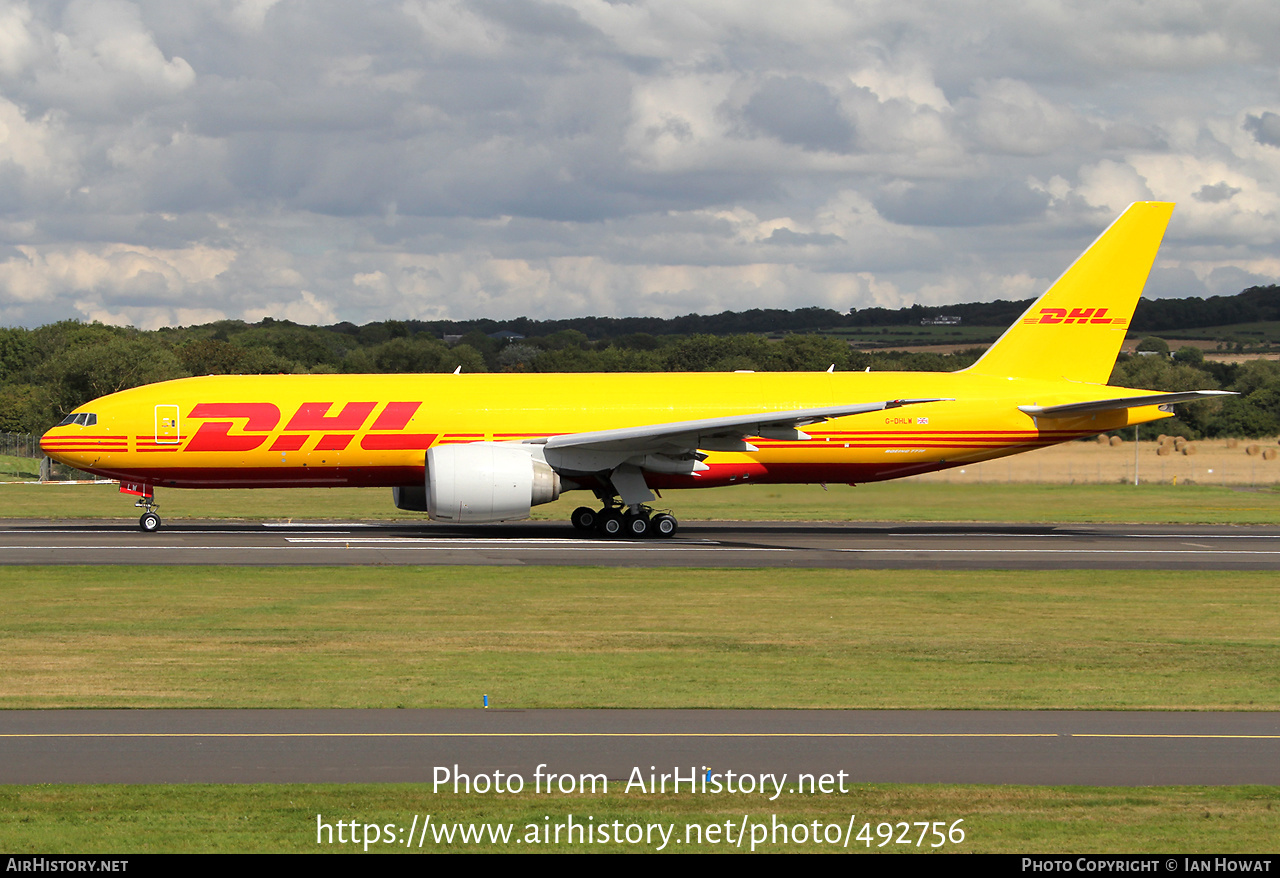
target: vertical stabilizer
1074 331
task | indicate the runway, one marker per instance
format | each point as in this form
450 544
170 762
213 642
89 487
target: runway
856 545
333 746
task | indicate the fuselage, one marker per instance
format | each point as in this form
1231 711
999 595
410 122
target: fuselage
374 430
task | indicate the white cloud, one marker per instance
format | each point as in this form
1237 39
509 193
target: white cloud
1008 116
1113 185
161 159
305 309
16 44
99 56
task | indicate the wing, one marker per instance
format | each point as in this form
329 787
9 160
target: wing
674 446
1125 402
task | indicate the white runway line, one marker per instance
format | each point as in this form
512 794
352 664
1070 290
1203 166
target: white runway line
888 551
474 541
299 525
407 546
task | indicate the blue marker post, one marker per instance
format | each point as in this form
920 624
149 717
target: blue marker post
486 702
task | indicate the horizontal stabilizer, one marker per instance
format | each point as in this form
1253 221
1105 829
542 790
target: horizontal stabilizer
1124 402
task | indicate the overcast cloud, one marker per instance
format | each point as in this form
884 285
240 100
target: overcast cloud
179 161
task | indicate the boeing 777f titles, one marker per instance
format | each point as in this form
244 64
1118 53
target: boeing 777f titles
487 448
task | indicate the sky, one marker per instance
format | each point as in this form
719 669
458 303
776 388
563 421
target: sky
171 162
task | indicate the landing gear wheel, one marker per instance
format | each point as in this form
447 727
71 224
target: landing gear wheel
663 525
638 526
611 523
584 518
149 522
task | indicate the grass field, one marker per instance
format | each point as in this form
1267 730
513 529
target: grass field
280 818
582 637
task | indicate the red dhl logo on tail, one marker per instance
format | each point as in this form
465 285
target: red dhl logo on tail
1077 316
246 426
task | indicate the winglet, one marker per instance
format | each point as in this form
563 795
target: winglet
1074 331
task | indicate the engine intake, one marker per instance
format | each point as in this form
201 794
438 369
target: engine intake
486 481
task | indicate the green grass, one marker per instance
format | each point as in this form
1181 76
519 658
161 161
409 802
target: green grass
135 819
1252 334
920 501
888 501
583 637
912 335
18 468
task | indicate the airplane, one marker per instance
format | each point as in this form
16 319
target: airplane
480 448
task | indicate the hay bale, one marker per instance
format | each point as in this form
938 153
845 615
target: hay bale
1162 438
1164 450
1188 449
1269 454
1233 443
1101 439
1252 450
1116 440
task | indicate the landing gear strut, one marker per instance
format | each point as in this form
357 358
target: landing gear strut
150 521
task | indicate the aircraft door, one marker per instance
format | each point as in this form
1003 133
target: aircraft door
167 430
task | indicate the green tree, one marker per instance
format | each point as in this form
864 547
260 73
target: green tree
1156 345
79 374
1190 355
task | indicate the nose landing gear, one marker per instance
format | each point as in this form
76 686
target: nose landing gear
150 521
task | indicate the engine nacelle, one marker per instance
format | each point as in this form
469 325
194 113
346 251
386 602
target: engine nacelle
487 481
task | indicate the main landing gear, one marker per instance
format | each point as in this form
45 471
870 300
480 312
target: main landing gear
612 521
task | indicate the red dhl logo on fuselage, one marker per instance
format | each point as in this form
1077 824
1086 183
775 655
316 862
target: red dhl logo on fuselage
258 420
1077 316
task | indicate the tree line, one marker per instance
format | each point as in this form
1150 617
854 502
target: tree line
47 372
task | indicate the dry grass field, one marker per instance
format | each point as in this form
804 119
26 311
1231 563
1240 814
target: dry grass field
1210 462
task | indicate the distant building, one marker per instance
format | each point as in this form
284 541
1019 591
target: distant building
940 320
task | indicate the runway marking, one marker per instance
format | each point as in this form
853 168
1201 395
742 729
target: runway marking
971 535
1141 735
533 735
119 530
1094 534
1133 735
524 541
1070 551
616 547
1202 536
316 524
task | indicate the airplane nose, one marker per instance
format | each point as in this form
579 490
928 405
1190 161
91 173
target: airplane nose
66 447
49 442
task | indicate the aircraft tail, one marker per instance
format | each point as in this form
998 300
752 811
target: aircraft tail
1074 331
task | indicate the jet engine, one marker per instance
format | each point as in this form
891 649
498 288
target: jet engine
481 482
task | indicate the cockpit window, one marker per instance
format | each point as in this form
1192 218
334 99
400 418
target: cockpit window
83 419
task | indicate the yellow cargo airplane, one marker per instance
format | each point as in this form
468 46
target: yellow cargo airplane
486 448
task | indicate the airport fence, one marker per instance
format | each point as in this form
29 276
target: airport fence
20 444
21 460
